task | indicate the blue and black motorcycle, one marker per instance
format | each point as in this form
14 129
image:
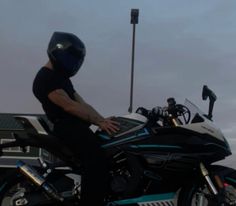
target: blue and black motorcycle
152 162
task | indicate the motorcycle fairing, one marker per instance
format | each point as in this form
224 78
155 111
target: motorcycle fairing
179 148
171 149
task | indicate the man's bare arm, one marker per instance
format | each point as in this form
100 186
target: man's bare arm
88 107
81 109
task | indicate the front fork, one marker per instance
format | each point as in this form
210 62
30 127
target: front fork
209 181
216 186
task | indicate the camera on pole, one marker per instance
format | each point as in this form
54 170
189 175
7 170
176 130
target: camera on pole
134 16
134 21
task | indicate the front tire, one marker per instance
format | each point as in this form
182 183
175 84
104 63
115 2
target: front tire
197 192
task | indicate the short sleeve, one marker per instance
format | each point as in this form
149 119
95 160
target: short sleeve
52 83
56 82
47 81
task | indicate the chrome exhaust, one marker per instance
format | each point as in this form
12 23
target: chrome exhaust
38 180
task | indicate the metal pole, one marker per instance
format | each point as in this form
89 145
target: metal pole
132 71
134 21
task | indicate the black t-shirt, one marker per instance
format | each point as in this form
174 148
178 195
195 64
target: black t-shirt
47 81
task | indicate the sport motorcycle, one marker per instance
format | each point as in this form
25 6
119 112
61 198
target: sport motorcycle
167 162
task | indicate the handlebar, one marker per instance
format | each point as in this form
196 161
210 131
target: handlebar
173 115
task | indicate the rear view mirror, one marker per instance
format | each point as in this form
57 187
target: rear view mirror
206 92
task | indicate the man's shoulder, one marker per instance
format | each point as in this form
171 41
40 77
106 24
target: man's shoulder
44 74
42 82
45 71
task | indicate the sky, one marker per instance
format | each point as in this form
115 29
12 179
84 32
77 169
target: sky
180 46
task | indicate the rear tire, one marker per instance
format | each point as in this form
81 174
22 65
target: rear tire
14 188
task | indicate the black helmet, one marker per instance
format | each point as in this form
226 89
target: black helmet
66 52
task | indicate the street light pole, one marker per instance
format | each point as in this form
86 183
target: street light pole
134 21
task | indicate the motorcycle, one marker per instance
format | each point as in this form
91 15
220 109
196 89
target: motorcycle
151 163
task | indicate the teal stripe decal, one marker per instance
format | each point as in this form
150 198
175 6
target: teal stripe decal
2 186
104 136
231 179
147 198
145 132
155 146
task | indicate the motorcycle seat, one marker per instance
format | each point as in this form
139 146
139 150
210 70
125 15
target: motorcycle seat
38 134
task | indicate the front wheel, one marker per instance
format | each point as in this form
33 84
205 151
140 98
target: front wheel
198 193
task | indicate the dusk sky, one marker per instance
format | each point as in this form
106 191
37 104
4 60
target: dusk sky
180 46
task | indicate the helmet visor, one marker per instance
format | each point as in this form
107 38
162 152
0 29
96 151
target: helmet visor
69 60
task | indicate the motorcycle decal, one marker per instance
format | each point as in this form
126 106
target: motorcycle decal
231 179
166 199
155 146
141 133
105 137
171 161
205 128
215 145
162 203
2 186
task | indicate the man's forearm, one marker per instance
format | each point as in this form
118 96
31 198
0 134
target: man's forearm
77 107
93 116
85 112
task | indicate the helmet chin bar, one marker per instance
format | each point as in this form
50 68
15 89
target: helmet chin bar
65 70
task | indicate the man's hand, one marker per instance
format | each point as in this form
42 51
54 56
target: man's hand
109 125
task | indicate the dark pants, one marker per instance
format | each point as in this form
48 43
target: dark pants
85 144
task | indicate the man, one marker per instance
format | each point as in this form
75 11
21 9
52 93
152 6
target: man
71 115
